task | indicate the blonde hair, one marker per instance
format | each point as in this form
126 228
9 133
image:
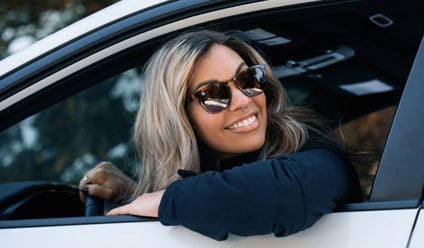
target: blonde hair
163 135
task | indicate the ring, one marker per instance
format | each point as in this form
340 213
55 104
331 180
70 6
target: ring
86 179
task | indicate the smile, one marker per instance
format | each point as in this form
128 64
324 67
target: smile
243 123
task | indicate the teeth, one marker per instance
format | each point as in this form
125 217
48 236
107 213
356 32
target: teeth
243 123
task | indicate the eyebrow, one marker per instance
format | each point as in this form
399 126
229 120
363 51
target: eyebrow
239 67
214 81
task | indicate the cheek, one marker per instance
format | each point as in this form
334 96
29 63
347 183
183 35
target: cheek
205 125
260 102
210 129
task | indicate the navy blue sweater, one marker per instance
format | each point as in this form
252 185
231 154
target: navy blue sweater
282 195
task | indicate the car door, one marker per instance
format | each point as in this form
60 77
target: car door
417 239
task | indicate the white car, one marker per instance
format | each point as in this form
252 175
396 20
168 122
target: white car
345 59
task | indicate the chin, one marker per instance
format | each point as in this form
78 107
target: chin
251 148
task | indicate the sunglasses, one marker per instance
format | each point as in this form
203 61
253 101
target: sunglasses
215 96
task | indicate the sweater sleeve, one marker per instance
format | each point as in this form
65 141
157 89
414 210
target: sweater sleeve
283 195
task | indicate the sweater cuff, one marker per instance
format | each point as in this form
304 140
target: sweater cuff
166 210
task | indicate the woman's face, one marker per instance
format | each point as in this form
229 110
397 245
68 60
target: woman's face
241 127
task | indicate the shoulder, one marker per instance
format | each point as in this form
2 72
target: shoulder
317 164
316 155
322 157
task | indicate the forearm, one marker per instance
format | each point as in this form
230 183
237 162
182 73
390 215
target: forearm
218 203
281 196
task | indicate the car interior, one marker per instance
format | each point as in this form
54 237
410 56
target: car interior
349 62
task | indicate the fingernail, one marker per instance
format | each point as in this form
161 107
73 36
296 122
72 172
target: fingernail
84 189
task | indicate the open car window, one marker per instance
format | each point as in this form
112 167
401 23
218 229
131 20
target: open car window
62 142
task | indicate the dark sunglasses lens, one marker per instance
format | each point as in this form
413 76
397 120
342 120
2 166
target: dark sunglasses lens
214 97
251 81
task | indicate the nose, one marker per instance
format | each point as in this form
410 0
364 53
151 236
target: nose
238 99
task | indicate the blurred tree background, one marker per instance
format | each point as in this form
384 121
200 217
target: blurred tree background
24 21
57 144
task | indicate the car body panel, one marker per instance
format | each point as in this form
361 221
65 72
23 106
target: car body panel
417 237
387 228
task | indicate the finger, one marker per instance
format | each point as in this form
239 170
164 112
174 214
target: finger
82 195
99 191
98 175
105 164
82 182
119 211
95 175
87 178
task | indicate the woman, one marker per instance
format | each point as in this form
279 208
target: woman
222 151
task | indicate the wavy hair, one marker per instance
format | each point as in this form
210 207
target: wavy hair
163 135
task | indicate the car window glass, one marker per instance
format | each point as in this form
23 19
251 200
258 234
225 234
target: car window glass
63 141
368 134
67 139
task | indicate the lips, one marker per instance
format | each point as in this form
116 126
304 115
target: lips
243 123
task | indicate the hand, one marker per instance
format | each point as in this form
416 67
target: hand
107 182
145 205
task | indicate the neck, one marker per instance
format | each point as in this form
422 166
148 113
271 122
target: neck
213 160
